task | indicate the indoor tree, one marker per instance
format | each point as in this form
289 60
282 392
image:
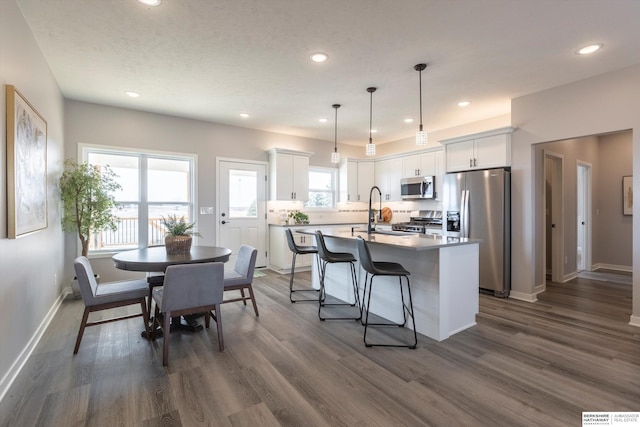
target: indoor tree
87 200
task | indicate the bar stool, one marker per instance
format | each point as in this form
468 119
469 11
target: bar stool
298 250
373 268
327 257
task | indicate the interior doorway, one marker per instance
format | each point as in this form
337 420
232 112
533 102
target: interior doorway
554 214
583 232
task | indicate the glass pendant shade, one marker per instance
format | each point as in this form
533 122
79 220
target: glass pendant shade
335 157
370 149
421 138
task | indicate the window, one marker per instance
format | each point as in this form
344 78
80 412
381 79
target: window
153 185
322 188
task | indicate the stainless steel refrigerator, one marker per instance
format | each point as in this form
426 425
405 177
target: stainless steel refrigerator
477 204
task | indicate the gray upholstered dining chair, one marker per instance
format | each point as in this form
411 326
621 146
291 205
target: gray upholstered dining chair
189 289
241 277
104 296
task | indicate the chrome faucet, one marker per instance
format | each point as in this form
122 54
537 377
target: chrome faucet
371 217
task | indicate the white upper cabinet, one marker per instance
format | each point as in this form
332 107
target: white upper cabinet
289 173
356 180
480 151
388 173
423 164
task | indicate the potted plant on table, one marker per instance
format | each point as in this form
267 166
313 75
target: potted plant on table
87 200
179 234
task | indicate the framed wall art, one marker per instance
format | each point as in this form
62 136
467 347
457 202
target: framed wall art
26 166
627 195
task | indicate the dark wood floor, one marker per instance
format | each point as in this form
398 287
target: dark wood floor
524 364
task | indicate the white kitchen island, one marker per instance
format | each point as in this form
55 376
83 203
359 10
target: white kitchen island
444 277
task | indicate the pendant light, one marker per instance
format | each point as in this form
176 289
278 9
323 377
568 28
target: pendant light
421 135
370 147
335 156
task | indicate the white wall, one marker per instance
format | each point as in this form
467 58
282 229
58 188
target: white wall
30 264
593 106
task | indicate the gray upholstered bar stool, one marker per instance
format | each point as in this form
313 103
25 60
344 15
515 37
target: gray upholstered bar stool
328 257
299 250
379 268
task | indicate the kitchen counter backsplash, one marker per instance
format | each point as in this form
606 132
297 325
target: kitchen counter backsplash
277 212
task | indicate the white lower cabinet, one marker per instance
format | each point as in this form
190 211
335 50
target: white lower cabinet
280 256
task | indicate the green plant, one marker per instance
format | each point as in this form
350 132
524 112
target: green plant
87 200
299 217
179 226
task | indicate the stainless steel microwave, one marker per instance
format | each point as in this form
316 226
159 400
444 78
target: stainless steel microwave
419 187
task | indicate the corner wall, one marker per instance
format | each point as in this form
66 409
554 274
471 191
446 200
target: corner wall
32 265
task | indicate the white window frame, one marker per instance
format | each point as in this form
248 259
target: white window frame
143 204
334 186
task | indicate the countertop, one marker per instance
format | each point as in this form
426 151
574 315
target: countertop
414 241
320 224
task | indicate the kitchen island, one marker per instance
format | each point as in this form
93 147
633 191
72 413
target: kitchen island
444 277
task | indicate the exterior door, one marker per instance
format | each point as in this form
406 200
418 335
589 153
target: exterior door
241 207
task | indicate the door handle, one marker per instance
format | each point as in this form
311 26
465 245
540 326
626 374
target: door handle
224 222
553 226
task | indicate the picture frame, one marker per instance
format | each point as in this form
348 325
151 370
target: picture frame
627 195
26 166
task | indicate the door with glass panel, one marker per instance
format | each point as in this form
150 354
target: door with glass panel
241 207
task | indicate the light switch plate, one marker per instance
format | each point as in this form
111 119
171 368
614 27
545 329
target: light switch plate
206 210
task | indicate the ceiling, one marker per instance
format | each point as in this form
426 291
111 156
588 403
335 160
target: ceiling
213 59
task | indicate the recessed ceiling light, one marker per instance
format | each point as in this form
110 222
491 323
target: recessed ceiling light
319 57
323 120
244 115
151 2
132 94
408 120
374 130
589 49
464 103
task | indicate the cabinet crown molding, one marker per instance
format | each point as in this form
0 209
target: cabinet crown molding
493 132
288 151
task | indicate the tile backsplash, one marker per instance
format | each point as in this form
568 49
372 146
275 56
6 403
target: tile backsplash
353 212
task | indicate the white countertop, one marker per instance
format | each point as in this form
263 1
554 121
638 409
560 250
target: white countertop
414 241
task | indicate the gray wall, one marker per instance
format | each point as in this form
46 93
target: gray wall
31 266
599 105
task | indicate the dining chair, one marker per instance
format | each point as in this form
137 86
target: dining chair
189 289
104 296
241 277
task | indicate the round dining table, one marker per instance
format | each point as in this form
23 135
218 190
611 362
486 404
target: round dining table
156 260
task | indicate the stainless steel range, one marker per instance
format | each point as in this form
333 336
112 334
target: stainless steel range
420 222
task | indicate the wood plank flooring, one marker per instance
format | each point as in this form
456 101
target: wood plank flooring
524 364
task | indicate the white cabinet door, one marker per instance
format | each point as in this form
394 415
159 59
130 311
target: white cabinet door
394 175
289 176
356 179
300 178
410 166
384 177
427 164
460 156
492 151
365 180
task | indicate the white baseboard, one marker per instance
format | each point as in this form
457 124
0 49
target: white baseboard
569 276
626 268
24 355
635 321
